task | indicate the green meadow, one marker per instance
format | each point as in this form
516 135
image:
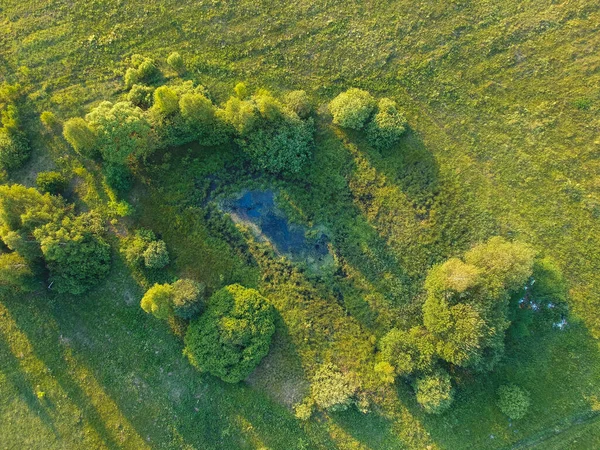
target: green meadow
502 104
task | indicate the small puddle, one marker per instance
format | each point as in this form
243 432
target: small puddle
258 210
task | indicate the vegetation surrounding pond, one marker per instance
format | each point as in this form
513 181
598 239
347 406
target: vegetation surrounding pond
380 220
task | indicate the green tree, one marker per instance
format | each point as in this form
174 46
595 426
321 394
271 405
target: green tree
513 401
352 109
175 60
274 137
166 100
434 392
387 126
158 301
188 296
22 210
134 246
233 335
156 255
51 182
299 103
77 132
123 132
142 70
467 304
331 389
141 96
14 149
408 351
75 254
49 120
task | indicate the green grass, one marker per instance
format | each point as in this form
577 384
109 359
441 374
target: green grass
503 104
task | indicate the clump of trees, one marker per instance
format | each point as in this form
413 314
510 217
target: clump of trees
143 249
383 122
142 70
513 401
43 230
272 134
466 314
233 335
183 299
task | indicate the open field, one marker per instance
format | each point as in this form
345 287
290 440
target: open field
503 102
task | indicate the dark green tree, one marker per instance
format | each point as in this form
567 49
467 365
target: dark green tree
233 335
513 401
188 298
75 254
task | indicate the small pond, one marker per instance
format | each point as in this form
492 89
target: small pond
258 209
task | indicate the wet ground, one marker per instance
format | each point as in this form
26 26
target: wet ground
258 209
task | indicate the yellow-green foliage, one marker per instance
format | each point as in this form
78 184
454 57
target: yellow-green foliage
331 389
78 133
122 130
352 109
434 392
158 301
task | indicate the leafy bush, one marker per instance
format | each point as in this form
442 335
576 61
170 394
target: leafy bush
78 133
136 245
22 210
183 113
141 95
188 296
331 389
513 401
51 182
407 351
49 120
75 254
122 130
166 100
118 177
387 126
156 255
351 109
175 60
299 103
467 304
158 301
434 392
142 70
14 149
233 335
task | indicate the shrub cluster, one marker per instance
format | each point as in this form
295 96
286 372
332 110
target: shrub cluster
40 228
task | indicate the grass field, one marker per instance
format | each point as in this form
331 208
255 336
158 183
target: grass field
502 99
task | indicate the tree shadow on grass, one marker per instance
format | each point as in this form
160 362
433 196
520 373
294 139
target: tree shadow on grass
20 381
34 321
